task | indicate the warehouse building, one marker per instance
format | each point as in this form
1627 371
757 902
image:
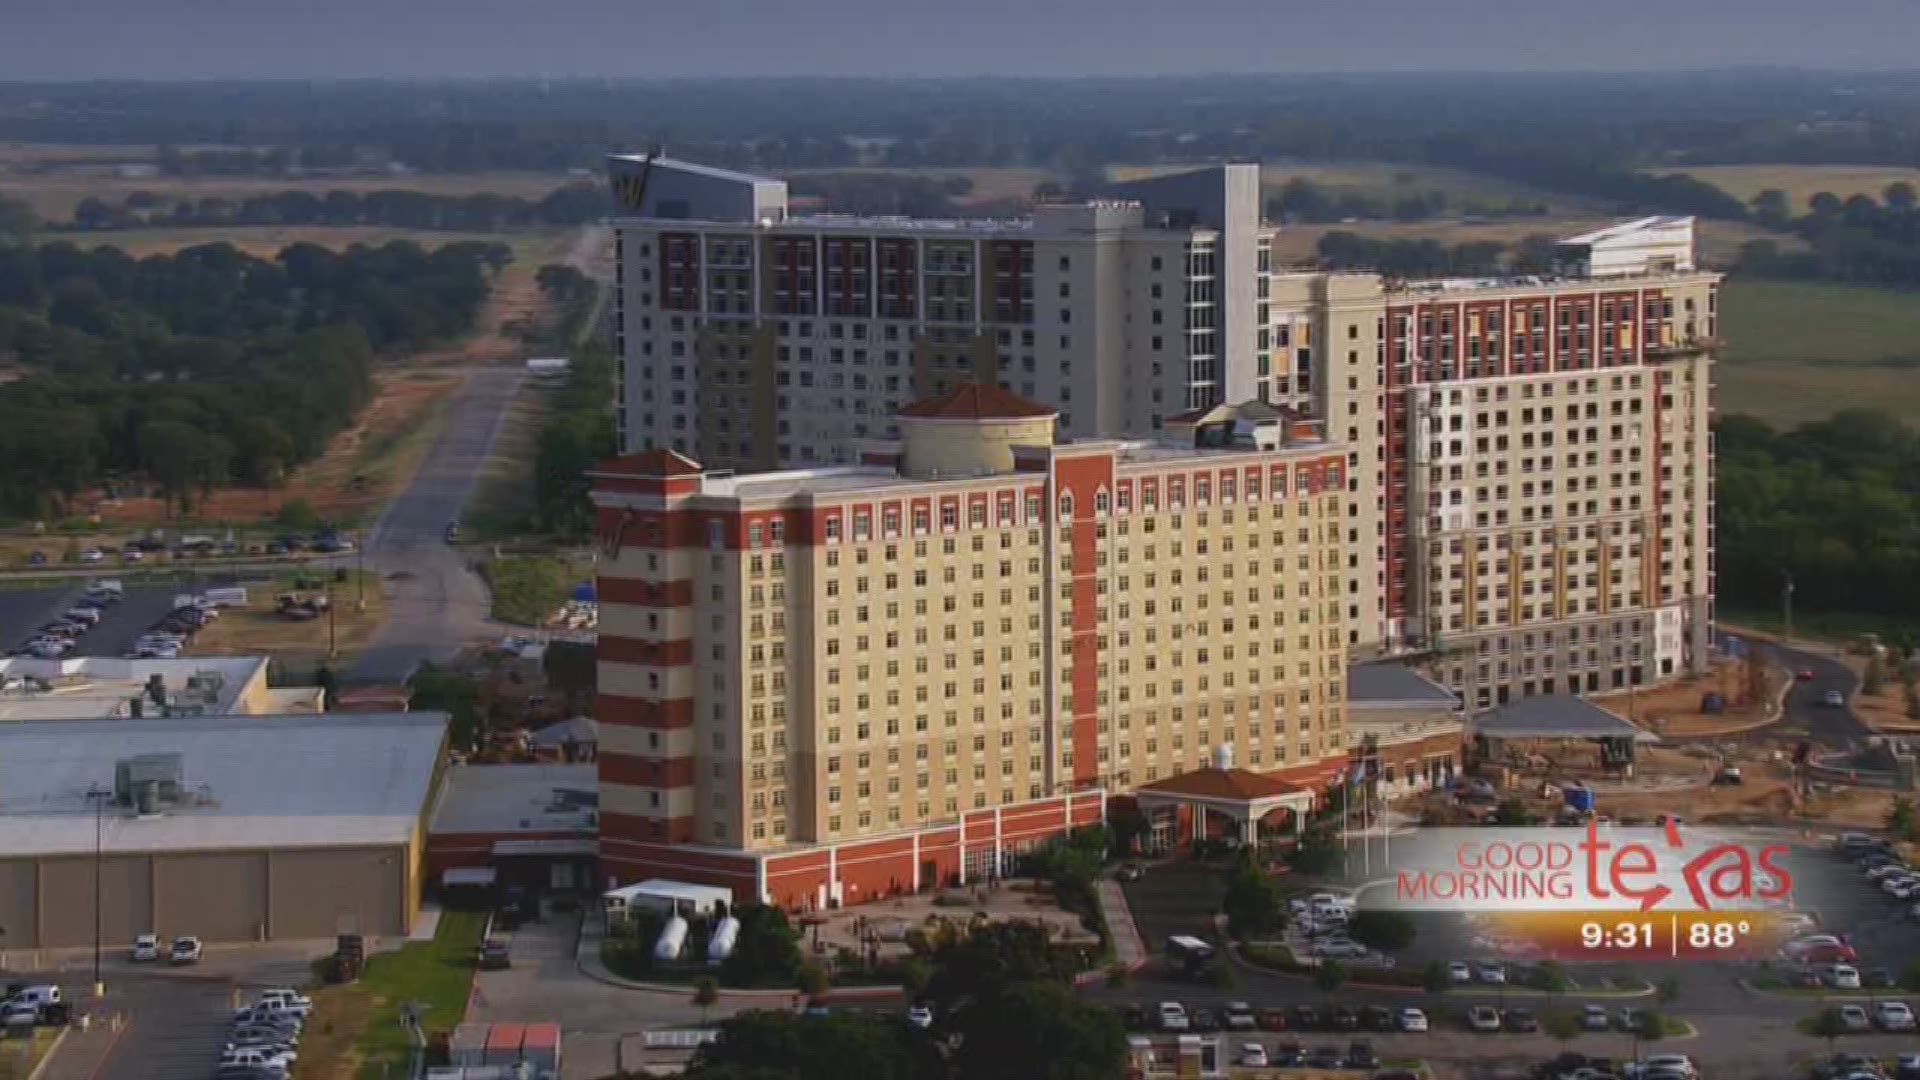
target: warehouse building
102 687
232 829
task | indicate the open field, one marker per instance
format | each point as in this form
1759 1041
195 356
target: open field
54 193
1802 182
298 646
1798 351
1386 180
1776 322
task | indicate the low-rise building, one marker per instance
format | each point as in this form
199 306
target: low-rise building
231 829
533 824
1412 726
98 688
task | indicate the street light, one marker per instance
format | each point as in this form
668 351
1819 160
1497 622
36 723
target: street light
98 797
1786 605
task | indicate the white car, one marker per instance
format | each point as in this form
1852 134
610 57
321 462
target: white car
1654 1063
1239 1016
146 947
186 950
1843 977
1893 1016
1412 1019
1594 1018
1493 974
1483 1018
254 1057
920 1016
1459 972
1854 1018
93 555
1173 1016
1339 947
1833 699
1253 1055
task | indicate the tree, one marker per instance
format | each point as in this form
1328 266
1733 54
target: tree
1253 903
1434 978
1047 1029
766 951
1330 976
1826 1024
1772 209
769 1044
1513 812
1551 977
297 515
812 978
1668 991
1900 196
706 994
456 695
992 957
915 974
1128 825
1561 1026
1314 855
1382 931
1900 817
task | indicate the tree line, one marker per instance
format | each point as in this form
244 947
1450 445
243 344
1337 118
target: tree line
570 205
1833 506
1859 239
208 366
1300 199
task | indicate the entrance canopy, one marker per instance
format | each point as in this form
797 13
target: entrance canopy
1240 794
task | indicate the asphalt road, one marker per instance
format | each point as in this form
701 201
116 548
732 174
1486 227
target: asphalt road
1829 726
436 605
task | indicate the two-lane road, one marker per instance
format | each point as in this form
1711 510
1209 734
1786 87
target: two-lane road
1830 726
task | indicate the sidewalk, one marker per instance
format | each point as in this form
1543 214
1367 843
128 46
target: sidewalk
1128 950
82 1053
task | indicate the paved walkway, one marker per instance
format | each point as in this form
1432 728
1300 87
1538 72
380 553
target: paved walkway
82 1054
1128 949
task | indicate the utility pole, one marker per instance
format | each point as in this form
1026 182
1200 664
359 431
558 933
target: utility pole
98 798
1786 605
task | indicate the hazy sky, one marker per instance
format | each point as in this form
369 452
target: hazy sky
77 39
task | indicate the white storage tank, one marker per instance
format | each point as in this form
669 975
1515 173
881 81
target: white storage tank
720 945
672 940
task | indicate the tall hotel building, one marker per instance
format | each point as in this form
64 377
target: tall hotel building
1528 465
824 685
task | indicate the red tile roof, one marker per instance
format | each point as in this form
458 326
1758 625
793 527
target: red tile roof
1212 783
977 401
655 462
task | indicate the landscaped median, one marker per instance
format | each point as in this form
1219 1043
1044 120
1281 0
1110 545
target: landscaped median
356 1029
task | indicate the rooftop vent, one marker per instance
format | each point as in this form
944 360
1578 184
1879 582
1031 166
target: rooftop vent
145 782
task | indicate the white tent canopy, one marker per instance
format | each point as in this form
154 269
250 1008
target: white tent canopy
659 894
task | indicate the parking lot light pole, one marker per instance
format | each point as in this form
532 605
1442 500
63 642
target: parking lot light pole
97 797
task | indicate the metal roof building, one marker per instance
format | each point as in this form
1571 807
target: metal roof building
1557 716
229 828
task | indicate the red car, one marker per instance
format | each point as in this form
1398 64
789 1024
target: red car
1804 675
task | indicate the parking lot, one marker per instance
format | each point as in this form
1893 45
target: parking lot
22 611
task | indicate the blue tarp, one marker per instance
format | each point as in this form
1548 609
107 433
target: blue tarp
583 591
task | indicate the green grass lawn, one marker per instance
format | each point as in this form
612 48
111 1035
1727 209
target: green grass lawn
1799 351
437 975
529 588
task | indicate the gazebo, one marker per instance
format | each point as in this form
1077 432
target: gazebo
1242 796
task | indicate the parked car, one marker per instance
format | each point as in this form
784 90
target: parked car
1274 1019
1519 1019
1205 1020
1594 1017
1459 972
920 1016
92 555
146 948
1854 1018
1339 947
1483 1018
1287 1055
1842 977
1325 1057
1343 1018
1893 1016
1253 1055
1240 1016
1906 1067
493 955
1492 973
1360 1055
1173 1017
1412 1019
1305 1018
1378 1018
186 950
286 999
